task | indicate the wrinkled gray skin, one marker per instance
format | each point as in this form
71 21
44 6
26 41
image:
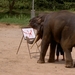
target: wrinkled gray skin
56 27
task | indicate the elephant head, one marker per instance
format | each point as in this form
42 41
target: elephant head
37 21
37 24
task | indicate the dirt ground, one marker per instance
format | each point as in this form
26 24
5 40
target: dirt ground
21 64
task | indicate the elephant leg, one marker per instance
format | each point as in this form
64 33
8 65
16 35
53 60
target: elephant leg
44 47
67 47
68 59
52 52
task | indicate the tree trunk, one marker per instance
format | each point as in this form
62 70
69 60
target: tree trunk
11 5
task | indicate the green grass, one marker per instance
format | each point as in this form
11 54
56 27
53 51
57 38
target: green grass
22 20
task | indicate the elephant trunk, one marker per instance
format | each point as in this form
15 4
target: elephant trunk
36 39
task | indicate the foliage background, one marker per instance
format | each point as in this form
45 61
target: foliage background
23 6
21 9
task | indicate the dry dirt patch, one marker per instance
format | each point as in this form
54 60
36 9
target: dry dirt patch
21 64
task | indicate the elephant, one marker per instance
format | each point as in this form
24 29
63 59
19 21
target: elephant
37 23
56 27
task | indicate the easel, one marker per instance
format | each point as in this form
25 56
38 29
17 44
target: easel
24 36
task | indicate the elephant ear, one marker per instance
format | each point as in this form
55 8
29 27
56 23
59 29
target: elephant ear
42 23
39 20
42 16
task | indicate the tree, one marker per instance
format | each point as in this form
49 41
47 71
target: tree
11 5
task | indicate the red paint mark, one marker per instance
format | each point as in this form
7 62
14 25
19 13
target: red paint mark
28 32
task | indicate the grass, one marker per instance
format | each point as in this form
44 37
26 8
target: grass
21 20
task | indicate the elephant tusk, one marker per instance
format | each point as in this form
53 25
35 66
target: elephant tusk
34 41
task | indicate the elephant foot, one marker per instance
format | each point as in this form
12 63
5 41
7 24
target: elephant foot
40 61
51 61
69 64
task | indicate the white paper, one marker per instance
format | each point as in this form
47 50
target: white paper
29 32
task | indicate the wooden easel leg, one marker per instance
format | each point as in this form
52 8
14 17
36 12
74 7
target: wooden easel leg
20 44
28 49
37 47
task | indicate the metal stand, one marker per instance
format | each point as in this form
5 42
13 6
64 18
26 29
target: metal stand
20 44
